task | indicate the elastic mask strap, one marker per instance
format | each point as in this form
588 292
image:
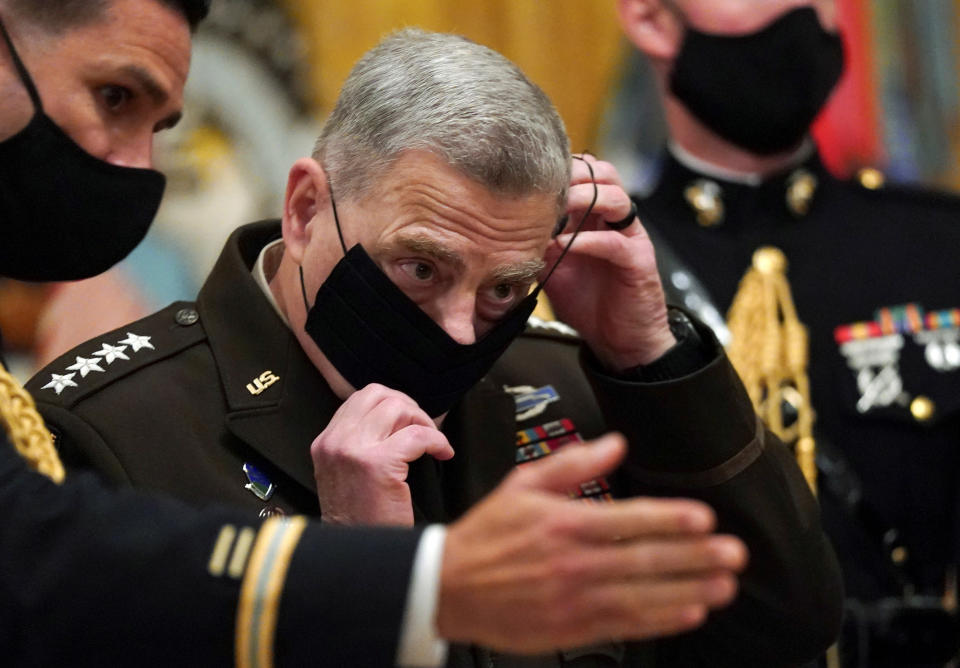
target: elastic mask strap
303 290
22 70
576 230
336 220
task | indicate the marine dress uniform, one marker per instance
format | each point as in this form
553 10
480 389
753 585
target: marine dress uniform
875 278
226 404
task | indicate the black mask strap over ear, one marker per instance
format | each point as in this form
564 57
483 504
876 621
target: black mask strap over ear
336 218
336 221
576 230
21 70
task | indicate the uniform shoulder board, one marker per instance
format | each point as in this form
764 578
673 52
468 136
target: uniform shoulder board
553 329
109 357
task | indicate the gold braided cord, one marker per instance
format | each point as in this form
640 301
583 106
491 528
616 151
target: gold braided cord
769 349
26 430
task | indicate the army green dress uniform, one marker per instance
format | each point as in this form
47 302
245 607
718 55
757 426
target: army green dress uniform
875 278
216 401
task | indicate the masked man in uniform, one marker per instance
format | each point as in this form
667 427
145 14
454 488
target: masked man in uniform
352 352
873 278
97 577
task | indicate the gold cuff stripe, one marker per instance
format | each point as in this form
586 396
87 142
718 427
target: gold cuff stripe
240 552
261 589
218 558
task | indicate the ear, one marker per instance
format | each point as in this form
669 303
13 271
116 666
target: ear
308 193
652 26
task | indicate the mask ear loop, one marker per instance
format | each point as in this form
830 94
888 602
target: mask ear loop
343 245
22 70
576 230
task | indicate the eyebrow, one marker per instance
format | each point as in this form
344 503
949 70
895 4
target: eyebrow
517 272
431 248
155 91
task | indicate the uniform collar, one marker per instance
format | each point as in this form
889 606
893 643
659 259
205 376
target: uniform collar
261 365
721 199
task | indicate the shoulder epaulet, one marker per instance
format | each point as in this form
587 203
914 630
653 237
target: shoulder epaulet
550 329
872 180
109 357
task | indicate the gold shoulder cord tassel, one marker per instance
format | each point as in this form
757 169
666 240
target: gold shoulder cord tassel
769 350
26 430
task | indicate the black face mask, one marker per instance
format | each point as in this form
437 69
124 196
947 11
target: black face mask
64 214
763 90
374 333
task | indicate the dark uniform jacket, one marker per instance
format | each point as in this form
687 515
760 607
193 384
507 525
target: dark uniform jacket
875 278
94 577
223 383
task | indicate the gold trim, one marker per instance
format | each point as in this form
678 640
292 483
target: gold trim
218 558
260 591
240 552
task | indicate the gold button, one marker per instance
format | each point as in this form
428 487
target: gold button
899 555
769 260
922 408
870 178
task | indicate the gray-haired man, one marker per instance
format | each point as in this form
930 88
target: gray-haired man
374 315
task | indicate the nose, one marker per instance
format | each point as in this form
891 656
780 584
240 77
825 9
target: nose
457 317
137 151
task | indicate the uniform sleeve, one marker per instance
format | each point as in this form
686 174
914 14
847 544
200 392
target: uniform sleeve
90 576
698 436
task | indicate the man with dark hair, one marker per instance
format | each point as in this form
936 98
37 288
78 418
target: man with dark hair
873 275
92 577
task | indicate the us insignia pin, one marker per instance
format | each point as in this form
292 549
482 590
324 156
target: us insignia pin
258 483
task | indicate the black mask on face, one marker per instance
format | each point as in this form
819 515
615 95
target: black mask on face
374 333
763 90
64 214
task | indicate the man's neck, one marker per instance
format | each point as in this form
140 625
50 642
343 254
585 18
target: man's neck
694 139
285 287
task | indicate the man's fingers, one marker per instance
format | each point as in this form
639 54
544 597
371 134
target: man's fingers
643 517
665 557
574 464
603 172
713 590
613 203
648 623
413 441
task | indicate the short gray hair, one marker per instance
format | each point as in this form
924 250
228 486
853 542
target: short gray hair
453 97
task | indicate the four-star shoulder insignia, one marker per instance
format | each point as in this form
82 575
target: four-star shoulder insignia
107 354
60 382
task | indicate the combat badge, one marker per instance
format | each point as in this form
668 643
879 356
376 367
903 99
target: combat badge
531 401
258 484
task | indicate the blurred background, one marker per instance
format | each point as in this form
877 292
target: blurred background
265 73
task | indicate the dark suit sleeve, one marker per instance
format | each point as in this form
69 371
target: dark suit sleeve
699 437
90 576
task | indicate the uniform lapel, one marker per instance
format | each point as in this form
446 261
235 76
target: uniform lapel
278 418
482 431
